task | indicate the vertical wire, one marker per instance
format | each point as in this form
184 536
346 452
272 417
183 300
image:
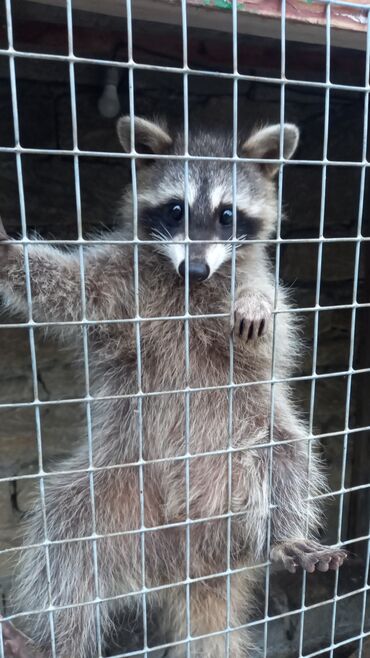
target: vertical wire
31 332
231 340
364 599
276 291
2 649
356 273
85 337
186 321
363 182
138 323
317 299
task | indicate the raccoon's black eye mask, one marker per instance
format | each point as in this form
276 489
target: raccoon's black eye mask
246 226
168 216
171 216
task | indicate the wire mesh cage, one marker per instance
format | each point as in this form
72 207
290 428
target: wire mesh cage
322 254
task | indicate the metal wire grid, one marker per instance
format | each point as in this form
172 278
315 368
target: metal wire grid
31 325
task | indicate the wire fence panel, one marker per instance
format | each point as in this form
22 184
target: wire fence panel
137 465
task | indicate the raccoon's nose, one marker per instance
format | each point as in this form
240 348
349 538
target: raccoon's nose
198 271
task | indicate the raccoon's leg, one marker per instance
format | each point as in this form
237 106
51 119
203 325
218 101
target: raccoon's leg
75 628
79 621
56 283
297 480
208 615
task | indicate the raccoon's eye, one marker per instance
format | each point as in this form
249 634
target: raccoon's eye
176 211
226 216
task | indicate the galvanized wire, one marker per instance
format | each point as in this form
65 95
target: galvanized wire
85 322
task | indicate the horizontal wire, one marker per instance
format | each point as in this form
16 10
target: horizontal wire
208 453
176 525
189 581
190 456
180 70
18 149
241 627
185 316
188 389
87 242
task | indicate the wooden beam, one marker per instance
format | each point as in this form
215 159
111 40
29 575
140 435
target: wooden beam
305 20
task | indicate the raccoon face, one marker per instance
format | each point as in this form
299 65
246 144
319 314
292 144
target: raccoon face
165 199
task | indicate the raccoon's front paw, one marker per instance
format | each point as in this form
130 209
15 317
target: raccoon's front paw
309 555
252 317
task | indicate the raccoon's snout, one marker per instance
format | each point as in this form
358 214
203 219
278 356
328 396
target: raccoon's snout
198 270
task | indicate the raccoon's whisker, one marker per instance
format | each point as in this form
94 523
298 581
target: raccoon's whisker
158 235
166 231
230 244
242 239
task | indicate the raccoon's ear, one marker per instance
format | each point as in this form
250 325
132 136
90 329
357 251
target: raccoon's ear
150 137
265 143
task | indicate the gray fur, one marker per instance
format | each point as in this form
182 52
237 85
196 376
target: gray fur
110 295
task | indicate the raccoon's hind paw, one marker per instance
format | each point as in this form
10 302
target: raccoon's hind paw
252 317
310 555
17 644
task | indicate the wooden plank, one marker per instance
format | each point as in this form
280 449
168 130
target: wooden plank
305 20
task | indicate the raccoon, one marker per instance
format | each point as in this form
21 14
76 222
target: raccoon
167 470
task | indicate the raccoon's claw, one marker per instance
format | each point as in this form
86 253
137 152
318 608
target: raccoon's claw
310 555
17 644
252 316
